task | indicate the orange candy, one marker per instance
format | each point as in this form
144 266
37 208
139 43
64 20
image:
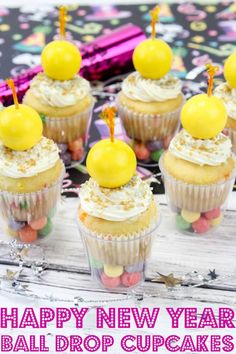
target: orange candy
27 234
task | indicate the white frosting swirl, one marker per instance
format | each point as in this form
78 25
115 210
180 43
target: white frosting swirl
57 93
139 88
117 204
212 152
228 96
28 163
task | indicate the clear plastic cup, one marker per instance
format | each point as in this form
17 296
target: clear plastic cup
118 262
150 133
70 133
196 208
28 216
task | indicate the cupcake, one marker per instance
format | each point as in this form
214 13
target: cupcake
150 100
117 215
62 98
198 168
31 174
227 93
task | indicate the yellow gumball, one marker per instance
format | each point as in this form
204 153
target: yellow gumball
153 58
230 70
203 116
111 163
20 128
61 60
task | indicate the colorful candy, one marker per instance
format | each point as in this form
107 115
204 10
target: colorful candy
131 279
215 222
77 155
38 224
156 155
201 226
113 271
95 263
110 283
154 145
76 145
181 223
212 214
135 268
47 229
27 234
16 225
141 151
190 216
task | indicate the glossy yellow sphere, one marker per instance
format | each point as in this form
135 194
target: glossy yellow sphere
111 164
230 70
203 116
153 58
20 129
61 60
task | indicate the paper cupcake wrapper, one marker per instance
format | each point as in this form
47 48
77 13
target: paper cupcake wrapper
196 198
118 250
149 127
63 130
30 206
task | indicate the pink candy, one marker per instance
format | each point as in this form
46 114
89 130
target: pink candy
212 214
141 151
110 283
38 224
76 145
201 225
131 279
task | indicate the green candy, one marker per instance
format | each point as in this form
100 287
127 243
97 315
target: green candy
155 155
46 229
94 263
181 223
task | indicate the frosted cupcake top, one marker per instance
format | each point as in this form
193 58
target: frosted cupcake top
58 93
212 152
28 163
116 204
138 88
228 96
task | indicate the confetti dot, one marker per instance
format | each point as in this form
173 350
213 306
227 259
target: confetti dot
4 28
210 9
81 12
212 33
17 37
143 8
198 39
198 26
213 44
87 38
24 25
115 22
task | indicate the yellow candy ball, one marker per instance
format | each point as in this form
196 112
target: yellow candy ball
215 222
20 129
61 60
190 216
113 271
111 164
203 116
153 58
230 70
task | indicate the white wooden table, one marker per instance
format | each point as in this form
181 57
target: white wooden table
67 272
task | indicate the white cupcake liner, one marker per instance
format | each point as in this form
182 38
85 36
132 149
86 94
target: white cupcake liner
122 250
30 206
196 198
149 127
63 130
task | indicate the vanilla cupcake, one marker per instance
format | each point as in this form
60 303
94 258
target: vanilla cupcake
31 173
228 96
150 100
117 215
62 97
198 168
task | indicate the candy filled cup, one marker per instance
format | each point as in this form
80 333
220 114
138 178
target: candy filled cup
28 216
118 262
196 208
